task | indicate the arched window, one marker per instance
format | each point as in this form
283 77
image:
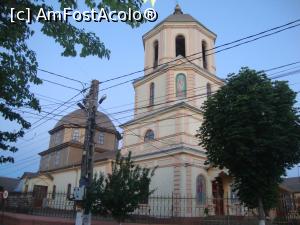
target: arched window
204 54
180 85
151 99
180 45
149 136
208 89
201 190
155 47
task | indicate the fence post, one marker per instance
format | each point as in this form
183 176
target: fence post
172 206
227 208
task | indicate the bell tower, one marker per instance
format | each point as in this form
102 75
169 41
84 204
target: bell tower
179 34
180 75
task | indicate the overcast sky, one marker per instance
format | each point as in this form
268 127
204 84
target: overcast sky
230 20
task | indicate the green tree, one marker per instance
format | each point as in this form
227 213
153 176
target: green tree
121 192
251 127
19 63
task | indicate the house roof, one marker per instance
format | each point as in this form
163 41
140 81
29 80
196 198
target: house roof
8 183
29 175
291 184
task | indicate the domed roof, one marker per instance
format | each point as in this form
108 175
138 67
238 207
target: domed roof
180 17
79 117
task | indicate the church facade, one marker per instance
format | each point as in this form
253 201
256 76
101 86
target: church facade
180 74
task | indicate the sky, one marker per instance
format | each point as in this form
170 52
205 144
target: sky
230 20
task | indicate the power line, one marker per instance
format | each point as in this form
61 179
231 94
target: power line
223 45
99 124
162 103
265 70
177 59
143 107
61 85
225 49
64 103
204 86
63 76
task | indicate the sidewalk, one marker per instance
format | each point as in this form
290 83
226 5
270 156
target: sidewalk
24 219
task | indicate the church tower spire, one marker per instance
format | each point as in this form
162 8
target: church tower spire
177 10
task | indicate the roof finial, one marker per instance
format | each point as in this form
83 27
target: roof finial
177 10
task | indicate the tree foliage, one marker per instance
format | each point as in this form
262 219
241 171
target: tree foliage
121 192
19 63
251 127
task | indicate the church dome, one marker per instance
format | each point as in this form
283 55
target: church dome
179 17
79 117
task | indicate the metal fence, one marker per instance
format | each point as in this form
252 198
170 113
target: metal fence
172 209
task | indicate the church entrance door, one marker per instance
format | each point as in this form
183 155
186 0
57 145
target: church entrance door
218 196
39 193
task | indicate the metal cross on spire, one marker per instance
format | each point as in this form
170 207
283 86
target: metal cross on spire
151 1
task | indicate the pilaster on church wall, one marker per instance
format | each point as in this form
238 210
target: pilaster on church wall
211 58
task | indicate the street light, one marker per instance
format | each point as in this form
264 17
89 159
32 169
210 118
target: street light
81 106
102 99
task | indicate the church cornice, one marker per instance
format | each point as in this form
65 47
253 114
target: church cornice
185 65
73 166
166 25
98 128
170 152
74 144
162 111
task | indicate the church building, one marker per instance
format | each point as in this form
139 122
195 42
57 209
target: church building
180 74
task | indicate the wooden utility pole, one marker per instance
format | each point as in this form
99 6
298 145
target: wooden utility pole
91 105
83 216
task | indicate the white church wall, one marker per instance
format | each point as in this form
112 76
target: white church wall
142 93
62 179
43 181
163 181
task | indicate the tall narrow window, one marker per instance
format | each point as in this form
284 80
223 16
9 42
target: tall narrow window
53 191
180 85
201 190
69 190
149 136
204 54
151 99
155 46
57 158
208 89
76 135
101 138
47 161
180 45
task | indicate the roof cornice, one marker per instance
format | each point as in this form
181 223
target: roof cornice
162 111
186 65
167 25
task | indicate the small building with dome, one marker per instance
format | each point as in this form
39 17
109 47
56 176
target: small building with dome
60 164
